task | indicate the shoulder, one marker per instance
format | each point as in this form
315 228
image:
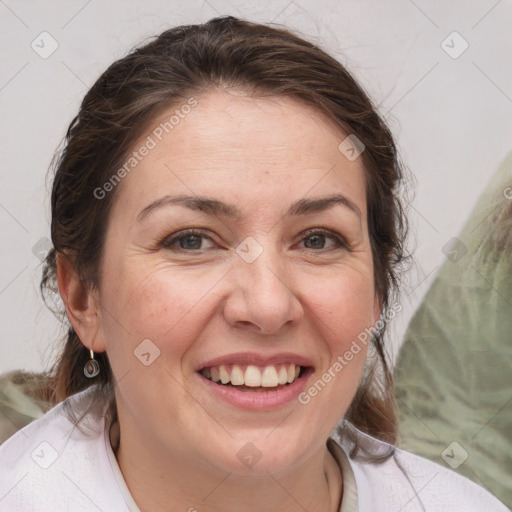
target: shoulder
408 482
54 464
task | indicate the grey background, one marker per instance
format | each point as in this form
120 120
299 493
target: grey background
452 117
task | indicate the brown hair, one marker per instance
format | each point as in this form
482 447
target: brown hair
189 60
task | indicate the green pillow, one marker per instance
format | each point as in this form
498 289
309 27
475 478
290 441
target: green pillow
454 372
22 400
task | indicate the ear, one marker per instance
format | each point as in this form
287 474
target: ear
82 306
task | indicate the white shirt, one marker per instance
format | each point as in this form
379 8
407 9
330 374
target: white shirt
50 465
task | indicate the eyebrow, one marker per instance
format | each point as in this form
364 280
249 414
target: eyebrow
214 207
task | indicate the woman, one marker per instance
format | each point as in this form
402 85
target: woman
227 240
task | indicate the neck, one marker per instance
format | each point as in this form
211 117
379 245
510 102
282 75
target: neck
159 482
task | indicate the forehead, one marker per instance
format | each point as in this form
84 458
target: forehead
231 145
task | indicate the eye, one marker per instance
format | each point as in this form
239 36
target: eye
315 236
192 240
191 237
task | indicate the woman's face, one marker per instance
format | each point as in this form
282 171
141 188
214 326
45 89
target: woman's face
246 290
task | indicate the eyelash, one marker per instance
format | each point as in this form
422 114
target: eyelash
169 241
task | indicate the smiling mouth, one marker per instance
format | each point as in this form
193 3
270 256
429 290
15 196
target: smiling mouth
254 378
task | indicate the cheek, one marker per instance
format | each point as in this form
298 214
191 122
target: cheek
155 303
343 303
343 315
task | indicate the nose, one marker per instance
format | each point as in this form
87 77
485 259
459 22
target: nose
262 297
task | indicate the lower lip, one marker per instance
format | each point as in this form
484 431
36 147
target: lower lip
254 400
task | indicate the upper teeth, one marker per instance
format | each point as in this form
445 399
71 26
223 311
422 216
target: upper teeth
253 376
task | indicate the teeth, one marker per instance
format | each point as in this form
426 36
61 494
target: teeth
237 377
252 377
269 376
283 375
223 373
291 373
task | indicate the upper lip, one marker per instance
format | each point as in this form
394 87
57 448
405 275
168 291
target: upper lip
255 359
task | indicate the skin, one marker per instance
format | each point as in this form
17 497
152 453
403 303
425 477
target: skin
179 444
